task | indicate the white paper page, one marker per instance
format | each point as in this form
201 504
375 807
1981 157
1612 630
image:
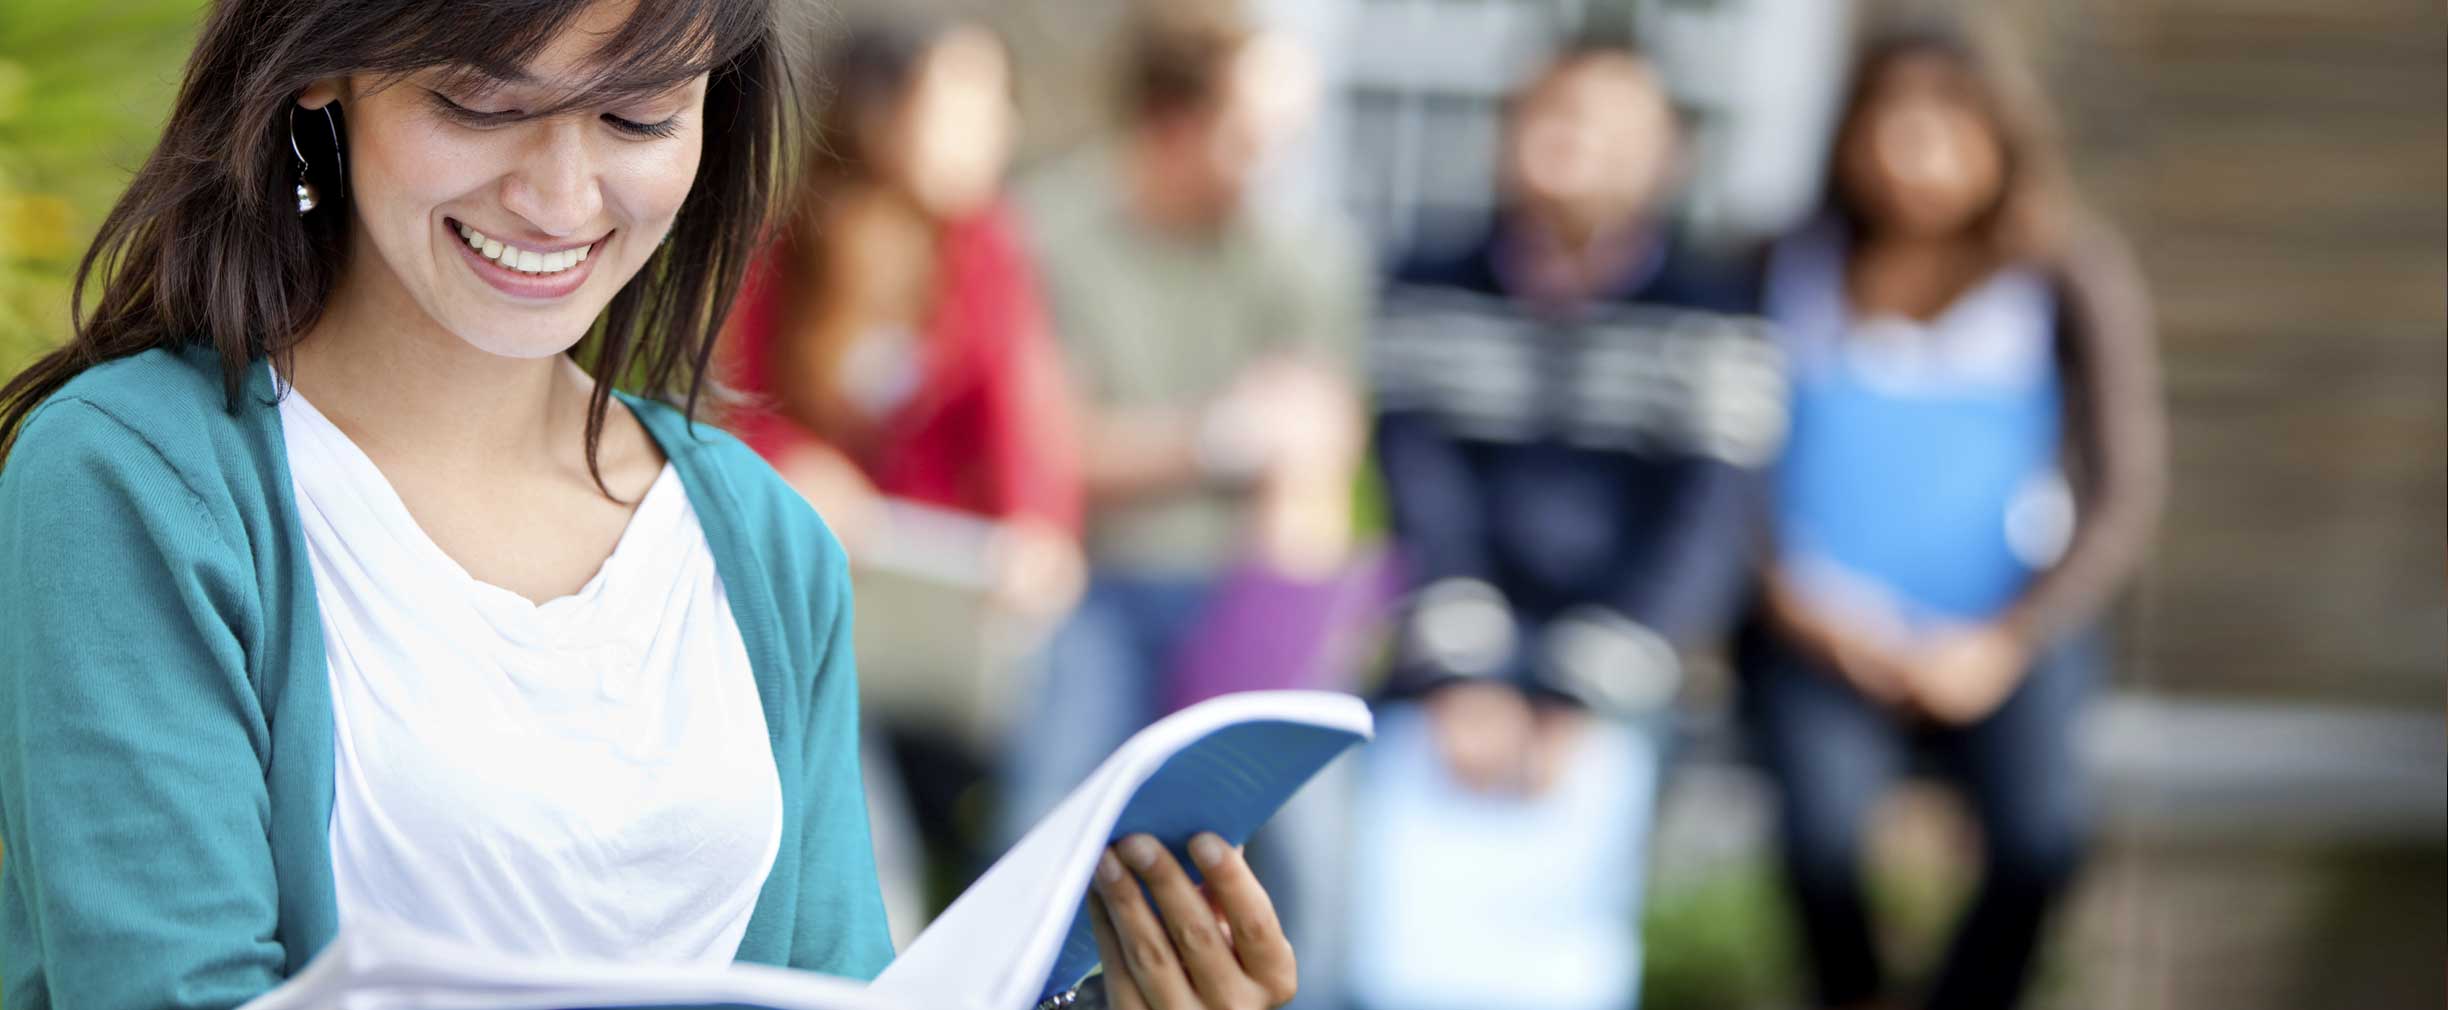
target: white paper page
376 965
989 951
1017 915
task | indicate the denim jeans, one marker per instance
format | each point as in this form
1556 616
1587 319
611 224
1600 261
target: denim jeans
1834 752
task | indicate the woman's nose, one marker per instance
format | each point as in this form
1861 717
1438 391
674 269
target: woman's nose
554 185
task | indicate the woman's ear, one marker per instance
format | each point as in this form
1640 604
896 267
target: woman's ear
319 94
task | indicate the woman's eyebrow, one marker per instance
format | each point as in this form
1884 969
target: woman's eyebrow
647 90
509 76
493 78
482 78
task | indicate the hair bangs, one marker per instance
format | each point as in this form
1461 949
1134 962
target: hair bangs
659 45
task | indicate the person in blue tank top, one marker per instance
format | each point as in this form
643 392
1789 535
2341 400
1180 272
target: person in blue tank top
1973 464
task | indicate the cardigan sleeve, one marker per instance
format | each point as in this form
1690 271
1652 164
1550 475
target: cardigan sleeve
2117 435
841 928
134 818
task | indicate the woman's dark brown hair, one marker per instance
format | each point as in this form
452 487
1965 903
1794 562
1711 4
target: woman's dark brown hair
870 73
2035 204
206 247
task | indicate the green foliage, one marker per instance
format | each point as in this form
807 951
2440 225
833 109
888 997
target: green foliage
84 88
1725 940
1722 942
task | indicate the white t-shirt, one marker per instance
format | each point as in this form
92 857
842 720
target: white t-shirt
586 777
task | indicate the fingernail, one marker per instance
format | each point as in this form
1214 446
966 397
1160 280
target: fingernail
1141 851
1208 850
1109 870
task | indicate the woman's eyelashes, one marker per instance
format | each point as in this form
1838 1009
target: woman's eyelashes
471 117
667 127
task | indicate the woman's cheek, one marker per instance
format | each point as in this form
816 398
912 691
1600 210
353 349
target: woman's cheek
652 182
403 167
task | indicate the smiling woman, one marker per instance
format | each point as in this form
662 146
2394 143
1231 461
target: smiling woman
341 581
439 99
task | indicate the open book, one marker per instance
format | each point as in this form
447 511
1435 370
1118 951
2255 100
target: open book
1018 935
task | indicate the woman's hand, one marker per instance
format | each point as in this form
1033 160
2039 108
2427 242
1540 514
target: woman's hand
1855 643
1038 570
1217 947
1961 675
1879 672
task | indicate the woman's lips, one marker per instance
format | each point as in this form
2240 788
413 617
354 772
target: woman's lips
540 284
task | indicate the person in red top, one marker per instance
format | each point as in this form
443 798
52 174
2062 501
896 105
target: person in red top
891 341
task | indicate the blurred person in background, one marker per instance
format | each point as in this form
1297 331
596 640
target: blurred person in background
898 358
1974 466
1570 410
894 338
1210 343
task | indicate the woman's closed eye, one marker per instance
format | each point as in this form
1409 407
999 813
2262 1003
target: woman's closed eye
666 127
468 116
480 118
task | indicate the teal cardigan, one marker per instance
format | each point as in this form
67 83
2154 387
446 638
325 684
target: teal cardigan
166 719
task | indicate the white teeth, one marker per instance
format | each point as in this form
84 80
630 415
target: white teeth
522 260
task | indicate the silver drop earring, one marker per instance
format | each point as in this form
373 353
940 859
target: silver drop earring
308 196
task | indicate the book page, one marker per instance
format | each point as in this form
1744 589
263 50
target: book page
1016 936
1224 766
380 965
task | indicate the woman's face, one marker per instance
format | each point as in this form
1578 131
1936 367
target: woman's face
1923 158
513 233
954 135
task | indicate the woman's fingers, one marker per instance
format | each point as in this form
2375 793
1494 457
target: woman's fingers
1257 936
1121 990
1220 948
1146 949
1198 938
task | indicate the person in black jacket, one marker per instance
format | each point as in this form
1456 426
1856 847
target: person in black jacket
1570 411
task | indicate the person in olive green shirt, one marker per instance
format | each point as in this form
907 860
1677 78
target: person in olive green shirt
1212 345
